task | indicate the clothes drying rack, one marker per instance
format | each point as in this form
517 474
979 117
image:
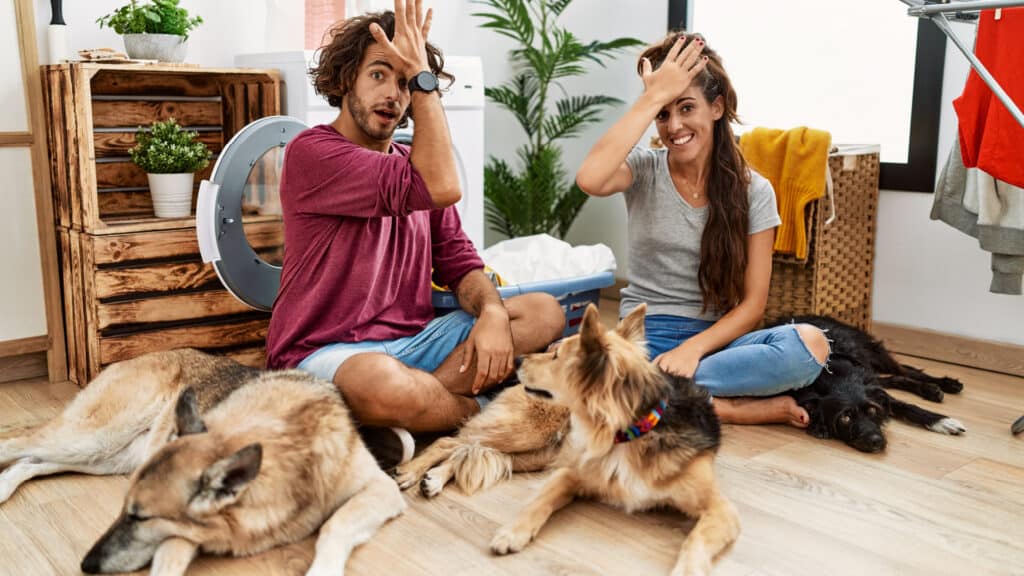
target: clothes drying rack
937 14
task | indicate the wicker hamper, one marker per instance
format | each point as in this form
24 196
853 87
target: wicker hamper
836 279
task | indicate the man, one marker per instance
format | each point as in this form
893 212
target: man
366 220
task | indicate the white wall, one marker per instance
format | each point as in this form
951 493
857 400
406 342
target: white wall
230 27
22 309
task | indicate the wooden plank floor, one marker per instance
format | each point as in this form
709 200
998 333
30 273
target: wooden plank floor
930 505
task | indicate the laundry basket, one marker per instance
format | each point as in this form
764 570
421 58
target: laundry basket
572 293
837 277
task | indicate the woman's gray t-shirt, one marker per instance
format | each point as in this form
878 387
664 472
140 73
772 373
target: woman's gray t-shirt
665 234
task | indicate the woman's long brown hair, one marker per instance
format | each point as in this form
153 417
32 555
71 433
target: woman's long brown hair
723 247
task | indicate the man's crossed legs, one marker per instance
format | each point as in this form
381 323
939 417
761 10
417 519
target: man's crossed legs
415 382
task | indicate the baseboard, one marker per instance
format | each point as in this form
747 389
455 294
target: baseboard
976 353
23 366
24 346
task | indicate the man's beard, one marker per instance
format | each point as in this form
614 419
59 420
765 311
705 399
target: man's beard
362 115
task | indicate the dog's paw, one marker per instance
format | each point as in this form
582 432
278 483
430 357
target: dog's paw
950 426
405 477
951 385
1018 426
510 540
932 392
431 485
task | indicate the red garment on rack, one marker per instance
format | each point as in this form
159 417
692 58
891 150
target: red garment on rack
990 137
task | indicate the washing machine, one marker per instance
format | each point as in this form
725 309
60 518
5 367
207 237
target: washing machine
245 179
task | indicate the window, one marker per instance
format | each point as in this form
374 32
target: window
865 71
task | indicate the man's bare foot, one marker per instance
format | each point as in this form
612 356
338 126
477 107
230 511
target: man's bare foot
774 410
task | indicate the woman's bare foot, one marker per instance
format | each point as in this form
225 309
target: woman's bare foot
774 410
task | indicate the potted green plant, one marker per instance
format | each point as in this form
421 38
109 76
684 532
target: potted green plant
536 197
157 30
170 156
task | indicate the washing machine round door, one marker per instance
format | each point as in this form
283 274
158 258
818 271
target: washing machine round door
245 184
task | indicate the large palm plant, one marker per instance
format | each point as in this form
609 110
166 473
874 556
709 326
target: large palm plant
536 198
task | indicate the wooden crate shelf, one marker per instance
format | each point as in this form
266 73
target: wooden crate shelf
94 110
133 283
127 294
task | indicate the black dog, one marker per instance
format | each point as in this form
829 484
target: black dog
848 400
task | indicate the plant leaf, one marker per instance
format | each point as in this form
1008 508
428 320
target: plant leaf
596 51
568 208
574 114
510 18
517 96
558 6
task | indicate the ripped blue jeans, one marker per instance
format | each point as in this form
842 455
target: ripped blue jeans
762 363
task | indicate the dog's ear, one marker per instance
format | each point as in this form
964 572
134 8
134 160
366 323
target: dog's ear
187 414
592 338
593 352
632 326
225 480
816 426
879 396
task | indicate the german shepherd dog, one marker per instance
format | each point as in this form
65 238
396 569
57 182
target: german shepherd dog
224 459
848 400
580 410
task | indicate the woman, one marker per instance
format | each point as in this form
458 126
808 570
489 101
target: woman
701 227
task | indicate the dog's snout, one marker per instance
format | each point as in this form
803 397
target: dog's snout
874 443
518 362
91 562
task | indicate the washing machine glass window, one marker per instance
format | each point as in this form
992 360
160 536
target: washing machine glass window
245 184
261 193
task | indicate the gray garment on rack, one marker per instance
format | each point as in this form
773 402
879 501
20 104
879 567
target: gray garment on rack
999 231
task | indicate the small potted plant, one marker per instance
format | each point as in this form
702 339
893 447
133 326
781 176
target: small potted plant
170 156
157 30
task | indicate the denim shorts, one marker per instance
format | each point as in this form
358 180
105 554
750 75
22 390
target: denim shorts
424 351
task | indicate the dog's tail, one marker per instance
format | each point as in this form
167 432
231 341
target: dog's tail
479 467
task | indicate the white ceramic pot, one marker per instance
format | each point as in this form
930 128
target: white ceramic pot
163 47
172 194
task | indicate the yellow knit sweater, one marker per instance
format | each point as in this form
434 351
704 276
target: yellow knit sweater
794 161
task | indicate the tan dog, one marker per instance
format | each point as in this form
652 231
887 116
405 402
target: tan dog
518 432
605 383
227 460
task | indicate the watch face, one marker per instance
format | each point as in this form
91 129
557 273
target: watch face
426 81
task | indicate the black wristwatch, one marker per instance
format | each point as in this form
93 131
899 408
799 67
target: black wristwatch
425 81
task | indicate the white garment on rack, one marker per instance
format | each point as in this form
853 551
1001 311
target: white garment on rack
996 203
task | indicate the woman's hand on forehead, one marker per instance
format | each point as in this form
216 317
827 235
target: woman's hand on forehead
676 73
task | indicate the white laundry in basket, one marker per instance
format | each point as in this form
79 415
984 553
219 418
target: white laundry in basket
542 257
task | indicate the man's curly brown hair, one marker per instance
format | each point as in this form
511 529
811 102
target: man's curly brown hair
339 58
